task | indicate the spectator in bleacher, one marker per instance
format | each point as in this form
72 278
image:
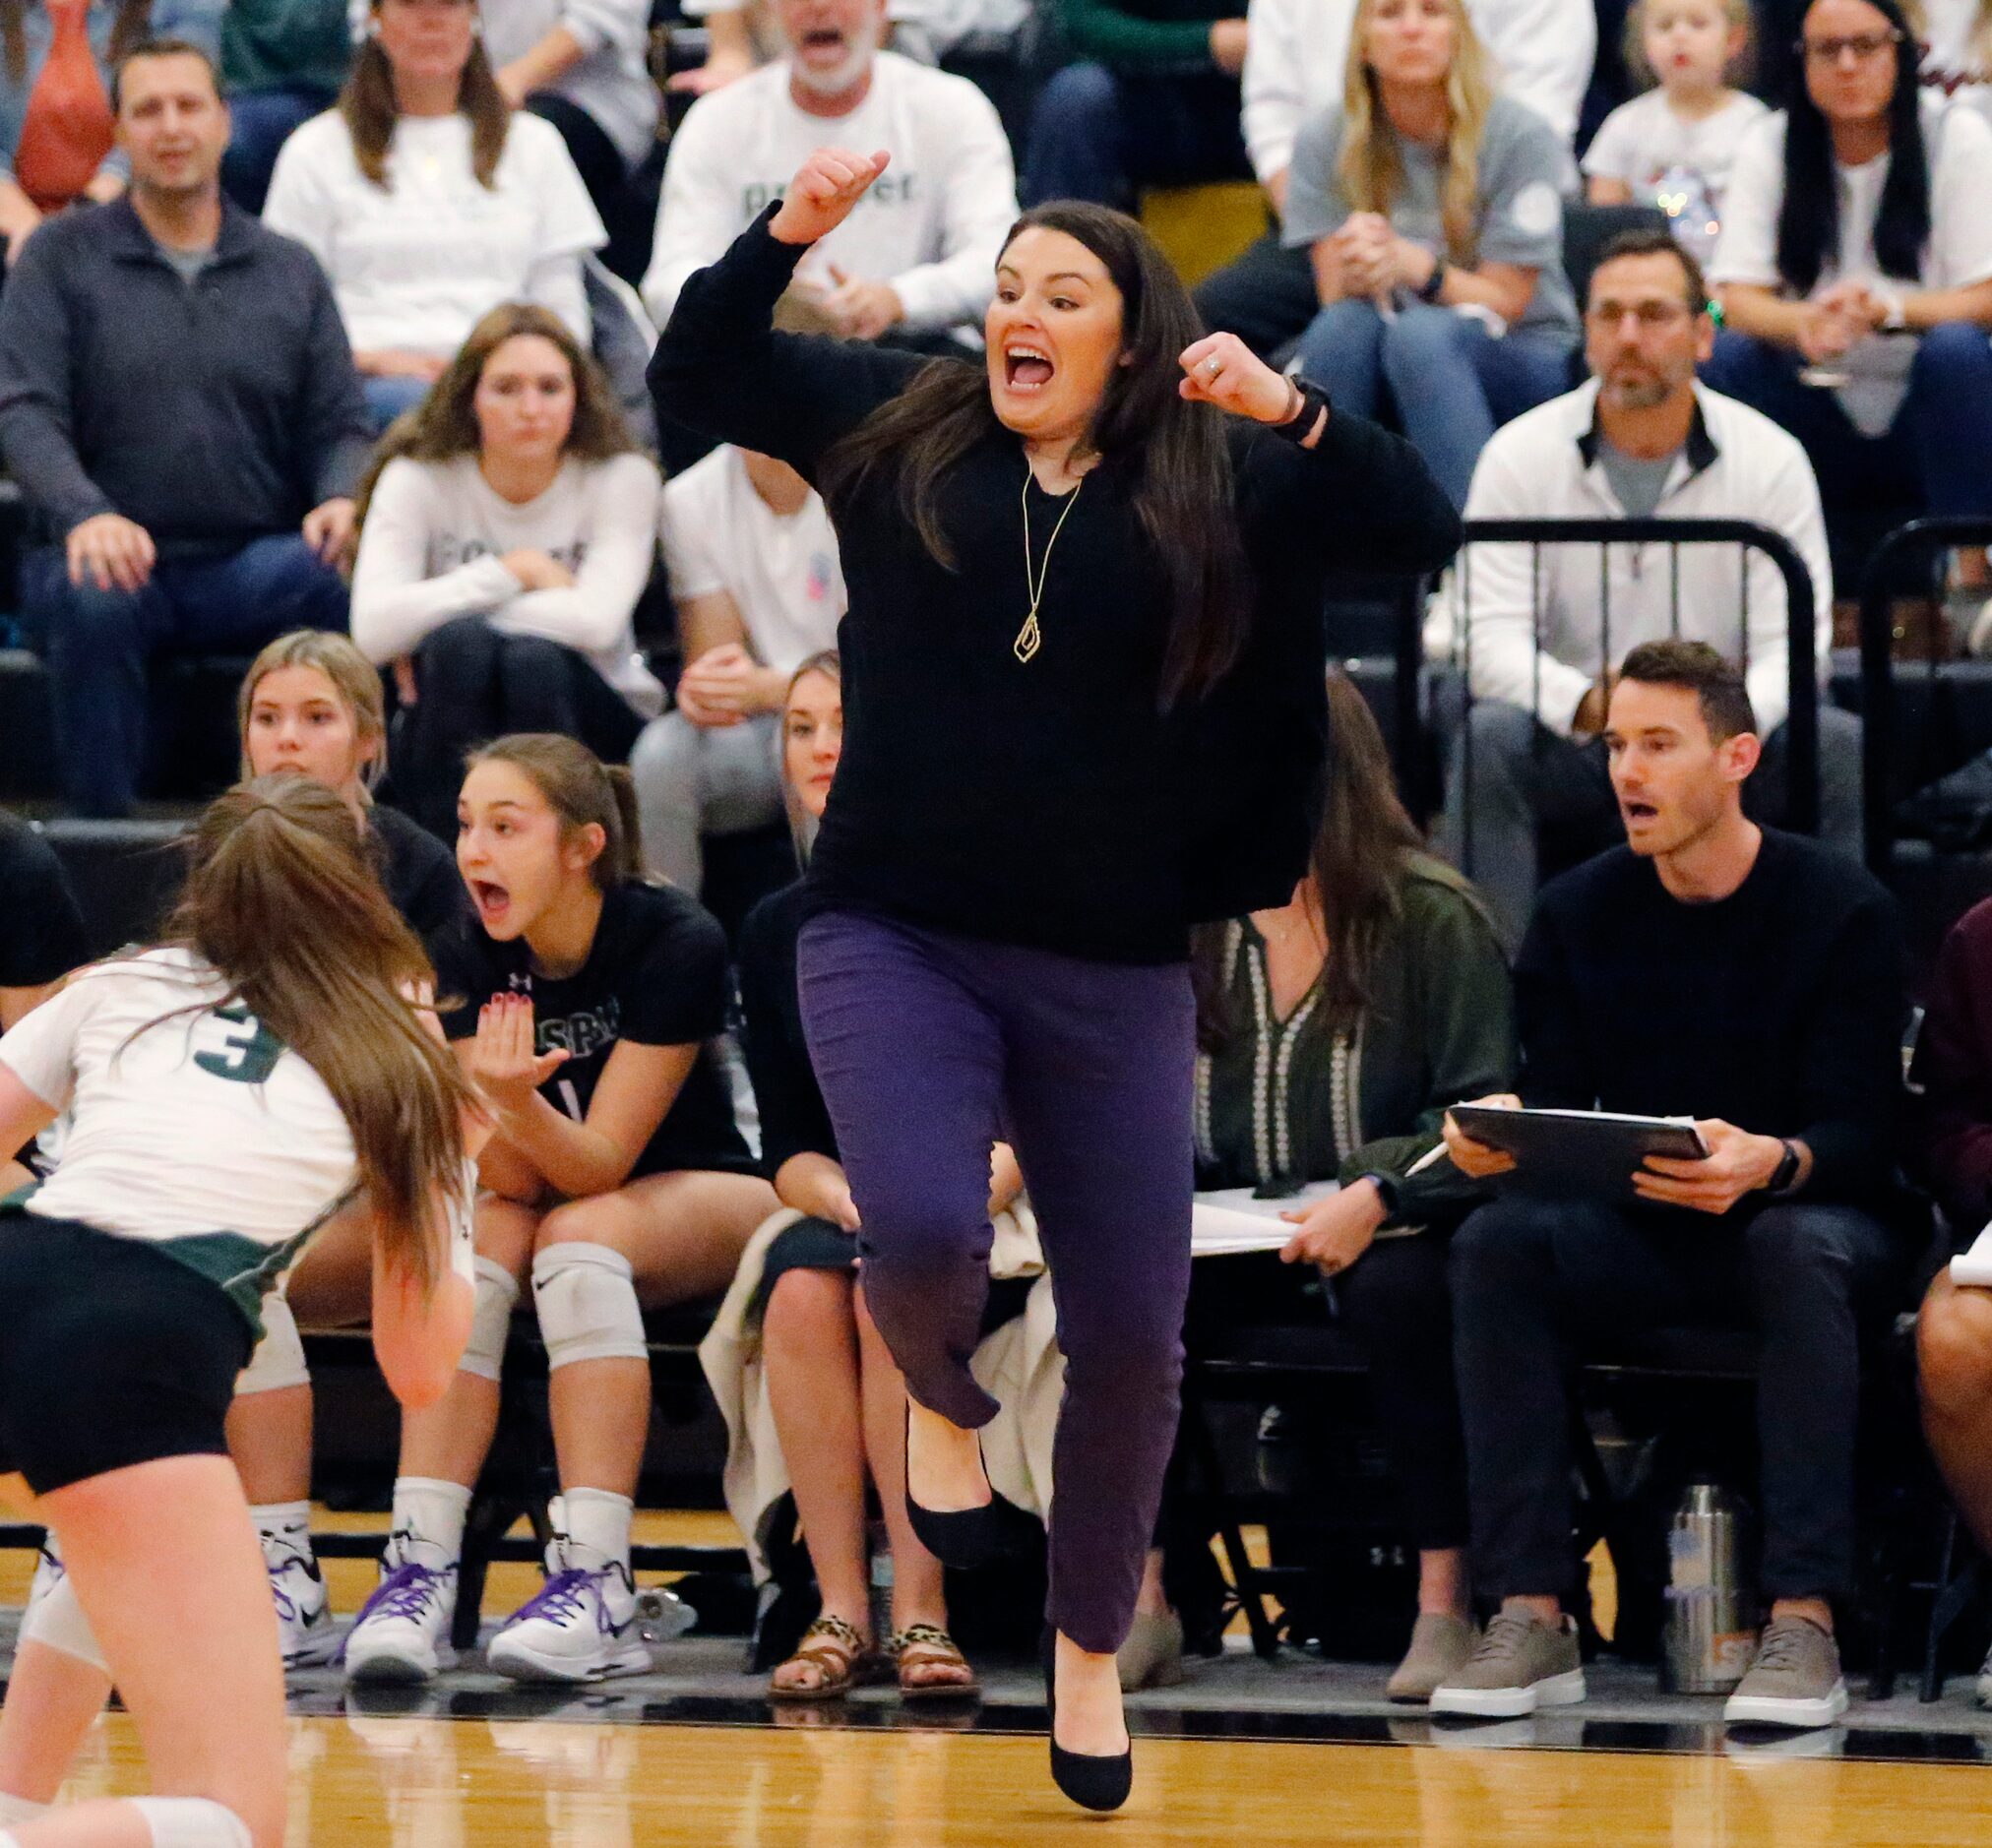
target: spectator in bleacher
311 703
41 938
837 1400
1431 207
1296 67
57 125
178 404
1337 1031
283 62
1713 969
754 573
1642 440
1154 101
584 65
617 1179
1856 272
430 200
916 260
58 118
1952 1079
505 537
1675 145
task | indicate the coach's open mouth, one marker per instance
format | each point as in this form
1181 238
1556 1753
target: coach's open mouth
1027 367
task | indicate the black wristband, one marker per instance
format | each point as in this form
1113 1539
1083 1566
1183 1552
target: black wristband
1314 404
1785 1173
1435 281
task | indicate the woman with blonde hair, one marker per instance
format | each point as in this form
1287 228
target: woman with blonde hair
428 200
1432 208
312 703
504 535
271 1066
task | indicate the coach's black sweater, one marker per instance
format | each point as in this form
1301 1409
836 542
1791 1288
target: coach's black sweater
1778 1008
1052 803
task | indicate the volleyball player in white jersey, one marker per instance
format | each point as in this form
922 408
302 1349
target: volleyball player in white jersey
229 1092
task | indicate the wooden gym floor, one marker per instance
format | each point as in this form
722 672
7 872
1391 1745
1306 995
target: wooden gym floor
1248 1756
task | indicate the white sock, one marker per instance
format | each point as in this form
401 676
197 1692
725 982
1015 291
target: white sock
430 1512
284 1528
597 1520
19 1810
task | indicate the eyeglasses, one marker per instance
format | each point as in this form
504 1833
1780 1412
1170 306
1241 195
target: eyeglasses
1650 315
1863 45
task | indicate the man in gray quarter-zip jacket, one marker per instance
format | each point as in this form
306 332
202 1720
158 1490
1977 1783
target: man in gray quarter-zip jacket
179 405
1537 634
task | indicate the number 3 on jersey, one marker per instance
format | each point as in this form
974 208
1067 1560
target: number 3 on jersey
250 1056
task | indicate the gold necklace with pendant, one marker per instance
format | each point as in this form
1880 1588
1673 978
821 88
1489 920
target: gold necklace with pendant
1030 638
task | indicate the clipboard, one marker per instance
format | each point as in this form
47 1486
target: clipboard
1578 1154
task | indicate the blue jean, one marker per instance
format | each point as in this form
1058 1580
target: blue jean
1540 1283
1452 382
1099 134
260 122
932 1047
386 398
1942 435
97 644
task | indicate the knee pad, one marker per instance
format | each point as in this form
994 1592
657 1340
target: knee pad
490 1322
192 1823
278 1360
587 1300
57 1622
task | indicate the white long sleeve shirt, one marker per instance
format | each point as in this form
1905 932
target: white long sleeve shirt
932 225
1543 652
1296 58
612 80
415 264
434 545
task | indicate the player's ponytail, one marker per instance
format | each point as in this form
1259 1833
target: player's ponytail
282 901
583 791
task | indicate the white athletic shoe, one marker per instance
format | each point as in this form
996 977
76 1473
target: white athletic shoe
303 1611
583 1626
403 1632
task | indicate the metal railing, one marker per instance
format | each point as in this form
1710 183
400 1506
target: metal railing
1801 612
1886 572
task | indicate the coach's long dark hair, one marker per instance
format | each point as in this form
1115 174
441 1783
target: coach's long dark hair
1808 221
1182 491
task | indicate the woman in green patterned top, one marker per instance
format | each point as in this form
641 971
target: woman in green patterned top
1335 1031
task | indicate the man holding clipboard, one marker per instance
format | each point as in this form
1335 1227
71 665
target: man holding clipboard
1751 981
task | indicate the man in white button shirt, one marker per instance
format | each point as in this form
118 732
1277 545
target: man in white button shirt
1540 643
917 258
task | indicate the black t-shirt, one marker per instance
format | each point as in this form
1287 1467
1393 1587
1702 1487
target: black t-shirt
42 933
655 975
795 1119
1778 1008
420 877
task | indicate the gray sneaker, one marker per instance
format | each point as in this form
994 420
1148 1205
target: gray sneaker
1794 1681
1521 1664
1441 1646
1984 1687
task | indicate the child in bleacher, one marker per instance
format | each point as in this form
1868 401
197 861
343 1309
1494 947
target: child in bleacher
1673 147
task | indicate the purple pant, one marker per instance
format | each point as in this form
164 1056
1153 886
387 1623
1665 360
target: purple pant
931 1047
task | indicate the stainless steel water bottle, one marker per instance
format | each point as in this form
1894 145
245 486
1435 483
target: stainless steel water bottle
1711 1614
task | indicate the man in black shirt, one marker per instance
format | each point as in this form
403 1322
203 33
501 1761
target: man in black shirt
179 405
1752 980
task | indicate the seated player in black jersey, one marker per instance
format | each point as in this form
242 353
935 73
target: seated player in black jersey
616 1177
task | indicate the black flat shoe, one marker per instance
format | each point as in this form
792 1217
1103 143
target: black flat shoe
1093 1780
969 1538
